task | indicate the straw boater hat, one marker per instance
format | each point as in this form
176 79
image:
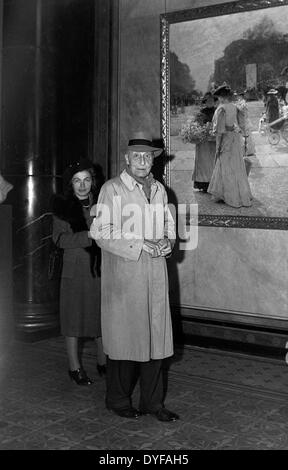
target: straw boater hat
142 142
272 92
223 90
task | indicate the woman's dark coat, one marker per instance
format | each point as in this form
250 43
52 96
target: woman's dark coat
80 281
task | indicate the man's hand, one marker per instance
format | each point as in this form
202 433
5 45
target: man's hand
162 247
152 248
165 246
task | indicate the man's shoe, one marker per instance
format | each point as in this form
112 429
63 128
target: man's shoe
126 412
162 415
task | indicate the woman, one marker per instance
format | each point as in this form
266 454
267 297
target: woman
229 181
80 280
205 151
248 142
272 106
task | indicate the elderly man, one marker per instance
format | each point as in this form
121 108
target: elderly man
135 230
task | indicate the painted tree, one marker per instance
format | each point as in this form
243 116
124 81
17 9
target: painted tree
182 84
262 45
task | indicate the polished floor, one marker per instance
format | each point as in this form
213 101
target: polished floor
226 400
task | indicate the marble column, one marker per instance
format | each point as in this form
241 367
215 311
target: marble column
29 161
45 125
6 319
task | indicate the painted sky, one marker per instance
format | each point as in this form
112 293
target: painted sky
198 43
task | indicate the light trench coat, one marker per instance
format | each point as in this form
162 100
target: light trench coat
135 311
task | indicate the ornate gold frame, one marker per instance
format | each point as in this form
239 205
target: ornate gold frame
272 223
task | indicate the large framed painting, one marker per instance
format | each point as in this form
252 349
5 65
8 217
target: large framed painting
242 45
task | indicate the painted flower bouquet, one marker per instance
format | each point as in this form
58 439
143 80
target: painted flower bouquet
196 132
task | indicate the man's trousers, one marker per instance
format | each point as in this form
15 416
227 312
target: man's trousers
122 377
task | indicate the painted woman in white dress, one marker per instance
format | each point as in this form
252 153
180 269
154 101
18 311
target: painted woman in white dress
229 181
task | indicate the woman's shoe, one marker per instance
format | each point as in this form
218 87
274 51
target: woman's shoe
101 369
80 377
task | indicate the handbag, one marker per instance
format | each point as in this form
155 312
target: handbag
55 263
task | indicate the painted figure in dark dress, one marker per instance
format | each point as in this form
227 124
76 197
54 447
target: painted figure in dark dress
205 151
